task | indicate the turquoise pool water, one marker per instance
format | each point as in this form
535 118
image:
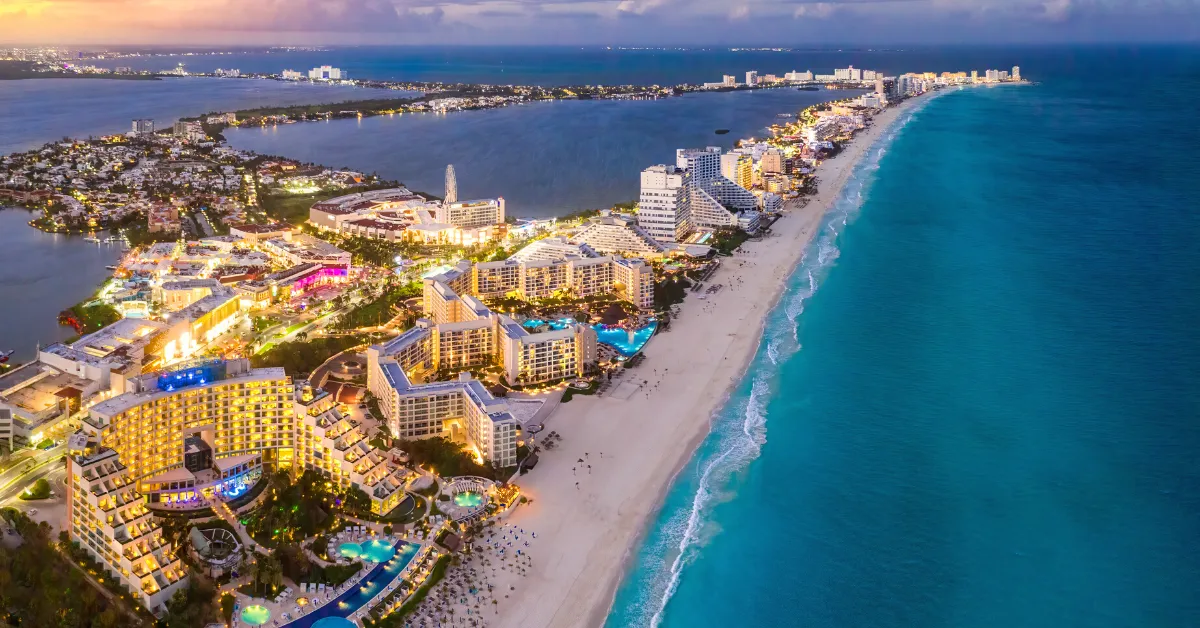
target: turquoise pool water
350 550
614 337
378 578
620 340
255 615
374 551
334 622
468 499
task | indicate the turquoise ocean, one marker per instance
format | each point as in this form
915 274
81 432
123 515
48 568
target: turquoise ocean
977 403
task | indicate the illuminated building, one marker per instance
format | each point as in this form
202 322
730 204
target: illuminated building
326 73
38 396
713 199
243 415
663 203
294 249
739 168
397 214
631 280
201 322
461 410
336 446
108 518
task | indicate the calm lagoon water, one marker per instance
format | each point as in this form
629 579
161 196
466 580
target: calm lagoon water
36 111
545 159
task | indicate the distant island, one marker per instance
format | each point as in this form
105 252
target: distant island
19 70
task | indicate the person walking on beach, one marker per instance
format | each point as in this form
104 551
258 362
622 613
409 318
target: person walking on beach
577 486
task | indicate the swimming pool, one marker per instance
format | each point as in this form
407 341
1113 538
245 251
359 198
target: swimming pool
352 600
255 615
373 551
561 323
468 499
334 622
614 337
350 550
621 340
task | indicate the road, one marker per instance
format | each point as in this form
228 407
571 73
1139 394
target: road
22 474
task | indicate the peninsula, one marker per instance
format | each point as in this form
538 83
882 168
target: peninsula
312 395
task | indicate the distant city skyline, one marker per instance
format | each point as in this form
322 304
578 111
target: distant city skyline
592 22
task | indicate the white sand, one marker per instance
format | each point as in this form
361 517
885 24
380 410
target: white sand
586 532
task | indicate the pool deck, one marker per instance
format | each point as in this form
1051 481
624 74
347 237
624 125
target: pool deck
331 595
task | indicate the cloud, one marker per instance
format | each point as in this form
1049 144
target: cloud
820 10
639 7
638 22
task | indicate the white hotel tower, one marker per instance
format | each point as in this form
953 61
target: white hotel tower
663 203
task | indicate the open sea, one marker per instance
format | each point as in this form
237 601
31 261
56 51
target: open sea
977 402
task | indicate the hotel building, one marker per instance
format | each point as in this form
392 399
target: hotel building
108 518
663 203
397 214
739 168
208 426
617 234
461 410
294 249
714 201
337 447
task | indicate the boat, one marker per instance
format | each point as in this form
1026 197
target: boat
721 131
5 355
111 267
808 89
92 239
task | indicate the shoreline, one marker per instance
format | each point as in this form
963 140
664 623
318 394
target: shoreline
579 586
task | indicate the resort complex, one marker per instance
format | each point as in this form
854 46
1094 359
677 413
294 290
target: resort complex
399 215
307 389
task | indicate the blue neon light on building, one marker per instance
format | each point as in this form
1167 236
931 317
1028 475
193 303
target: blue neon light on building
192 374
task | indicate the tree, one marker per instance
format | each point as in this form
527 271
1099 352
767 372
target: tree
268 574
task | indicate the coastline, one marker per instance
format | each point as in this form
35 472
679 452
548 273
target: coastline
648 438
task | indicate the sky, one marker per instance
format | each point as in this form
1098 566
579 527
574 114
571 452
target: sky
592 22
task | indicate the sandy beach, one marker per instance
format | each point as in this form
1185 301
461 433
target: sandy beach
589 515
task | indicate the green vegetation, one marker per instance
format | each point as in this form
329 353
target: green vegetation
16 70
295 111
670 291
366 251
293 208
382 309
571 391
726 241
397 618
39 490
41 589
46 444
447 458
301 357
89 316
268 577
193 606
292 512
227 602
298 567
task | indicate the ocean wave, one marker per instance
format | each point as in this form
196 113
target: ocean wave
739 430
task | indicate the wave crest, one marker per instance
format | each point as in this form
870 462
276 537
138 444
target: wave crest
740 429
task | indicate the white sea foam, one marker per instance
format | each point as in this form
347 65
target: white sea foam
740 429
